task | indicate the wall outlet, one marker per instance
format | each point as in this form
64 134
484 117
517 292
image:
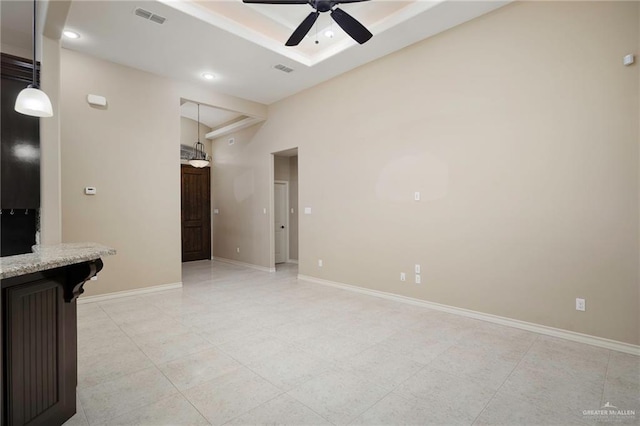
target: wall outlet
320 263
403 276
417 269
237 249
581 305
418 280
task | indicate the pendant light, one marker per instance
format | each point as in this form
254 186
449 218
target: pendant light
200 158
33 101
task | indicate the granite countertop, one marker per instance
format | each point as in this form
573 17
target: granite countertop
49 257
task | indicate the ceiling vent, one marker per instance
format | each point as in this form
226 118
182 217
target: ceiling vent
283 68
145 14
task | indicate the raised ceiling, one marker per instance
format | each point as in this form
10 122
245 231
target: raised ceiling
242 43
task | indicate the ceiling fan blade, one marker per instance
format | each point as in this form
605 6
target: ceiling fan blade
276 1
302 29
351 26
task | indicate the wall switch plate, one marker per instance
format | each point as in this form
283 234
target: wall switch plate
320 263
418 280
237 249
581 305
403 276
417 269
307 210
264 210
292 211
416 196
216 211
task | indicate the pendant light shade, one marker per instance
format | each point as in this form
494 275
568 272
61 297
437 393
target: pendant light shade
33 101
200 158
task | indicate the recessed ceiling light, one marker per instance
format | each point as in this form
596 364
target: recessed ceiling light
71 34
328 34
208 76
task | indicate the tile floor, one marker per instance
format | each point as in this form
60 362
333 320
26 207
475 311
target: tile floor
243 347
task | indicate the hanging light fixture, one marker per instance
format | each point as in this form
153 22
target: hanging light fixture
33 101
200 158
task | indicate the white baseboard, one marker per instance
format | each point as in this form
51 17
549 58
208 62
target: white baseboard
246 265
523 325
292 261
126 293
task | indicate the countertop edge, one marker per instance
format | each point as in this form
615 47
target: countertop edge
51 257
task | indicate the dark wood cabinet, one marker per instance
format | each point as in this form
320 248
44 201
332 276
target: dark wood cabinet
20 136
19 161
39 344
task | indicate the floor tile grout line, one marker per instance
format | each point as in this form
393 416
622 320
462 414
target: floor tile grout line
606 377
533 342
156 366
183 395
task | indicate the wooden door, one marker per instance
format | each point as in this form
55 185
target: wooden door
196 213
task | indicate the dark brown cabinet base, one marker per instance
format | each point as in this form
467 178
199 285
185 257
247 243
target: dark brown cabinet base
39 344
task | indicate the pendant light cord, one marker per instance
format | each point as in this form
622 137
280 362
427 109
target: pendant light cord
198 123
35 85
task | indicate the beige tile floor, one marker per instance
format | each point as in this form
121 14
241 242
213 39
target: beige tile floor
238 346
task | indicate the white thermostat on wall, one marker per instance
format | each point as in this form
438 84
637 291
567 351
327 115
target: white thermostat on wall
90 190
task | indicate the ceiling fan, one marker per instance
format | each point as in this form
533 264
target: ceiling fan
348 23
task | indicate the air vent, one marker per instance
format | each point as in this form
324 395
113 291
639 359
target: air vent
157 19
283 68
145 14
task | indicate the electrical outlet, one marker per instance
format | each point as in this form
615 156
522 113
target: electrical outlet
237 249
403 276
581 305
417 269
320 263
418 280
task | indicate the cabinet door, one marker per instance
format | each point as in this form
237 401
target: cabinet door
40 332
20 150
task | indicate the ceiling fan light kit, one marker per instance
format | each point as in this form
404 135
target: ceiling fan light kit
348 23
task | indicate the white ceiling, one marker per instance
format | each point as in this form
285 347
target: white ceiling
241 43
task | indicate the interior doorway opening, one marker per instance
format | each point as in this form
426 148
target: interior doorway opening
284 248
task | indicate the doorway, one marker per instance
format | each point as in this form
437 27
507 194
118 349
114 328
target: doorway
196 208
284 233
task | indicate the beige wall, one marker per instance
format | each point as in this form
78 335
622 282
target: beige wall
520 129
50 187
281 168
130 152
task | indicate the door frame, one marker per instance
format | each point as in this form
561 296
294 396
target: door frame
286 219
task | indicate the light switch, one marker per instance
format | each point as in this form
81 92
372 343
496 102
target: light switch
264 210
416 196
292 210
307 210
216 211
